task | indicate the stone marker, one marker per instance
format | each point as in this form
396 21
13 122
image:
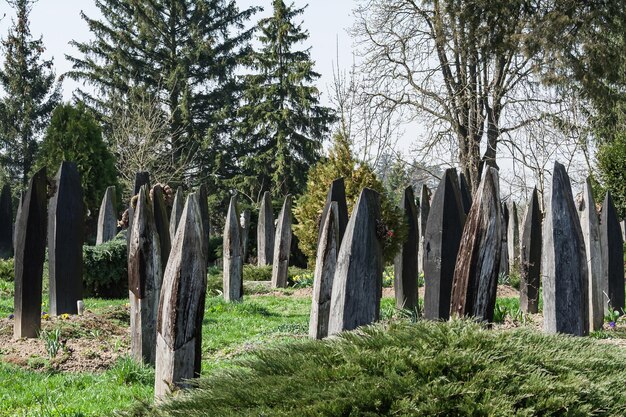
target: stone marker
244 221
405 265
325 266
504 253
358 281
590 226
337 193
66 236
530 256
282 246
513 238
6 223
265 232
180 305
162 223
564 263
424 209
441 245
177 211
612 256
466 193
233 260
107 217
30 250
144 280
478 262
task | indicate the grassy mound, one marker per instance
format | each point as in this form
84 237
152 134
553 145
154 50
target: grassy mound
425 368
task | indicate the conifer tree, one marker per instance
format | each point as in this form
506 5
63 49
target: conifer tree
30 95
282 123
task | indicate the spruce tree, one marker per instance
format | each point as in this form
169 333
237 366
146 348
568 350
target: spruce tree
184 52
30 95
282 123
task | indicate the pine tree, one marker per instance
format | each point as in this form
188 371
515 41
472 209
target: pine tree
282 123
183 51
30 95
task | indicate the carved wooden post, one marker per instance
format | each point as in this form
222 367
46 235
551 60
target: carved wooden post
513 238
245 233
144 280
6 223
405 265
30 250
203 200
177 211
162 223
18 215
424 209
441 245
325 266
282 246
358 281
337 193
564 265
478 262
180 305
589 223
504 252
233 261
265 231
612 256
107 217
530 256
466 193
66 236
141 178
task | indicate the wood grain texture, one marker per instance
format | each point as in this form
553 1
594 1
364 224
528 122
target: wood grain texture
513 237
530 256
233 259
357 285
282 245
107 217
177 211
66 236
612 255
181 304
244 222
563 264
424 209
504 252
478 262
30 250
265 231
405 264
336 193
325 266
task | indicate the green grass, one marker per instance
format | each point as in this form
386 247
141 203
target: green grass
425 368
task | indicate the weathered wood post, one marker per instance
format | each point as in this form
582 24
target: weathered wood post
66 236
141 178
405 264
589 223
564 264
441 245
6 223
466 193
180 305
358 281
282 246
162 223
30 251
265 232
203 200
244 221
336 193
233 260
612 256
504 252
530 256
177 211
325 266
478 263
513 238
144 280
424 209
107 217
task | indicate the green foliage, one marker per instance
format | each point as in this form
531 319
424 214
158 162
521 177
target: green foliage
341 164
30 95
257 273
304 280
612 165
127 371
75 135
52 341
7 270
105 268
426 368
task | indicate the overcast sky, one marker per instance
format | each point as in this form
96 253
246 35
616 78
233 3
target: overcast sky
59 21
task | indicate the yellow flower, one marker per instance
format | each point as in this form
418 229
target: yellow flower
45 317
65 316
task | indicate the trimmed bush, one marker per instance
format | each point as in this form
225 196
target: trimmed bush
7 270
105 270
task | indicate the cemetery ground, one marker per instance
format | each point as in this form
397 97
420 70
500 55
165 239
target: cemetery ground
258 360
